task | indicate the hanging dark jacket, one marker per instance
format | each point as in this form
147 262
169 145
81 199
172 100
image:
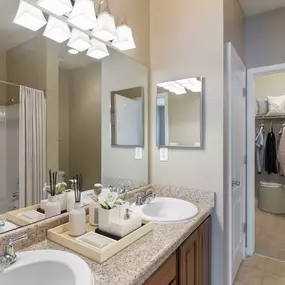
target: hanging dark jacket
270 154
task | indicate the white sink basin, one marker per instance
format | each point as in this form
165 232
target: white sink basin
167 210
47 267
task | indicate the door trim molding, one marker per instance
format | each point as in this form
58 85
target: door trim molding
251 74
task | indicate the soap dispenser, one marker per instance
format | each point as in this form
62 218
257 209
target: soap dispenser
77 216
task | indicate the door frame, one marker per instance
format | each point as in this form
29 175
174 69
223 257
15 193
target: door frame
228 209
250 186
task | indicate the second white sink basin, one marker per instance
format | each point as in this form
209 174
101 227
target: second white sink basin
47 267
168 210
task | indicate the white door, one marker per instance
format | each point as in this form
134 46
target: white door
237 147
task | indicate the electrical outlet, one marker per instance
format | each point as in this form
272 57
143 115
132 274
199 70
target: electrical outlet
138 153
163 154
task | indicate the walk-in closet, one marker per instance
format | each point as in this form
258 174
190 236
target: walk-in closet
270 165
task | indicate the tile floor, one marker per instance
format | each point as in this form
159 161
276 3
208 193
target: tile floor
259 270
270 234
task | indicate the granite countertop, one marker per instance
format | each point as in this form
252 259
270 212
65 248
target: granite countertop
137 262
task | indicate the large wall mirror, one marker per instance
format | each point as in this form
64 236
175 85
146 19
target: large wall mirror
60 119
179 113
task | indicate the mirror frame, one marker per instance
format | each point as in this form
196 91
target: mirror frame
202 120
113 142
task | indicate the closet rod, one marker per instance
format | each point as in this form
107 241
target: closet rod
269 117
17 85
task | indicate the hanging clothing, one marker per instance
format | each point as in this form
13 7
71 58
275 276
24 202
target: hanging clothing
270 154
281 152
260 142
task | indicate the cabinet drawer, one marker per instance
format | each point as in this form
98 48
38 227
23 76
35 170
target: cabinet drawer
165 274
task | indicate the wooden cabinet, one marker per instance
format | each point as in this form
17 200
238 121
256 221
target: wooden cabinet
190 264
195 257
166 273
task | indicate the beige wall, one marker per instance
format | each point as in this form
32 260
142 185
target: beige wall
187 41
137 13
121 72
270 85
64 122
184 118
234 26
265 39
85 123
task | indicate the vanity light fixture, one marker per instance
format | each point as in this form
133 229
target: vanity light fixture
57 30
73 51
125 40
29 17
83 15
106 29
97 50
79 40
57 7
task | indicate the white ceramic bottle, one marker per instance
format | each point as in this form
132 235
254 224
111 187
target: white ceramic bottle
77 221
70 198
52 207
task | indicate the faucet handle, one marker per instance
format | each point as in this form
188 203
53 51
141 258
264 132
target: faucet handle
11 241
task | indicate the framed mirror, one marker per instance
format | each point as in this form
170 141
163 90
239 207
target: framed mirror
127 117
179 113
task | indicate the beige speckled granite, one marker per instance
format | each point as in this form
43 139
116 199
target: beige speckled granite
134 264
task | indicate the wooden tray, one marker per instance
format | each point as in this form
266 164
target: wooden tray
61 236
14 217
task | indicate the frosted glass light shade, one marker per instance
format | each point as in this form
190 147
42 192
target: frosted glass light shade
98 50
29 17
83 15
57 30
79 41
106 29
192 84
125 40
57 7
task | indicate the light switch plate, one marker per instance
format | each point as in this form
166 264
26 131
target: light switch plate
138 153
163 154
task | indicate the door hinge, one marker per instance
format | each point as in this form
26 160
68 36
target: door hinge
244 227
244 92
245 160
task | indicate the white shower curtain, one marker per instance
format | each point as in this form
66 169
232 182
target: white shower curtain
32 145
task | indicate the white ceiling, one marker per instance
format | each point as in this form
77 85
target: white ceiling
12 35
254 7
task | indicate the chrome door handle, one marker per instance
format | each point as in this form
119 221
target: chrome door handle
237 183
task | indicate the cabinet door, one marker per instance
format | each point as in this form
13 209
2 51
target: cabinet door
205 258
189 262
165 274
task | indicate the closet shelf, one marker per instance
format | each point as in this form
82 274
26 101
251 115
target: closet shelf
270 117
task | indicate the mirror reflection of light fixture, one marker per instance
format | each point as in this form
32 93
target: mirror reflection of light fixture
191 84
106 29
98 49
29 17
57 7
83 15
73 51
79 40
125 40
57 30
178 87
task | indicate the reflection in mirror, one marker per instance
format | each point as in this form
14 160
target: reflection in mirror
179 112
61 121
127 117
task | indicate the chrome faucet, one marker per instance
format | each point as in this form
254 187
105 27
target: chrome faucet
145 197
118 190
9 257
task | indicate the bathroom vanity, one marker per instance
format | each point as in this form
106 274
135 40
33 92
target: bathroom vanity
190 263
